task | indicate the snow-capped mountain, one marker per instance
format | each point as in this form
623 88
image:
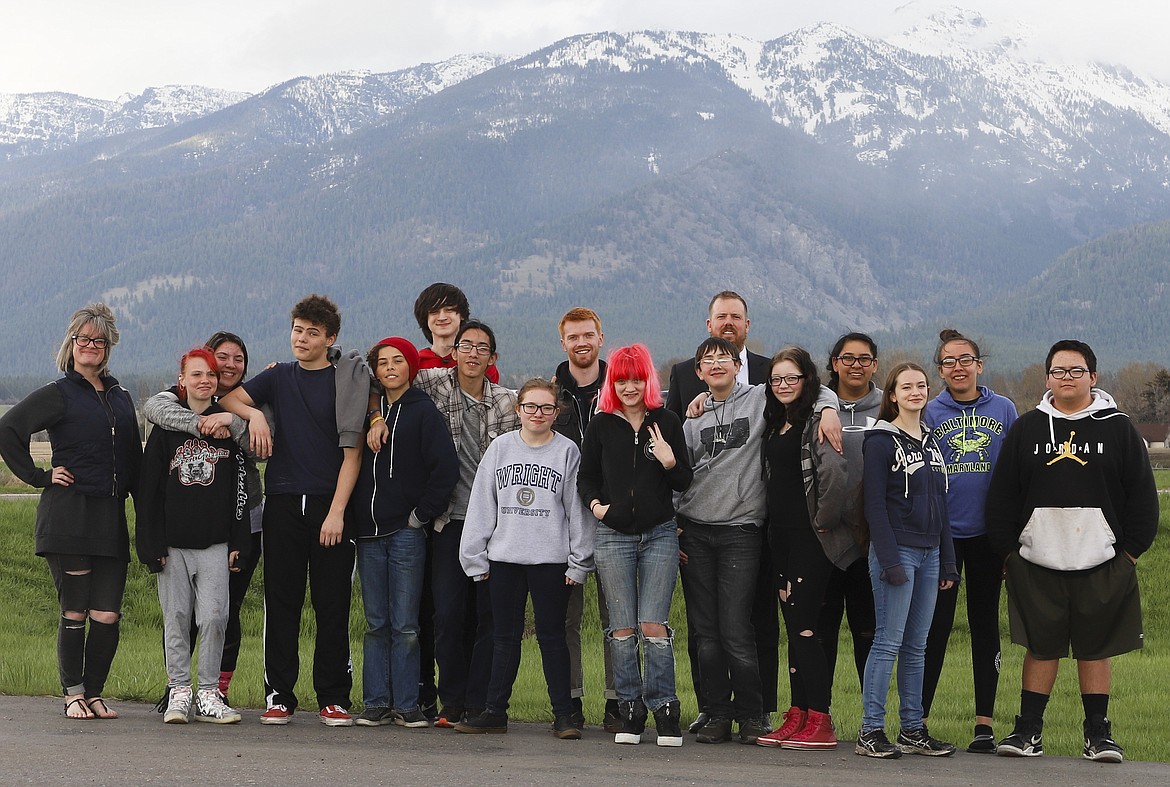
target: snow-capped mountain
311 110
32 123
304 110
951 79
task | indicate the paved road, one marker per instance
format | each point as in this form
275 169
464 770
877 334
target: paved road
40 746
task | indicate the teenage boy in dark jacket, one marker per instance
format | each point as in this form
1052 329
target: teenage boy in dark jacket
402 487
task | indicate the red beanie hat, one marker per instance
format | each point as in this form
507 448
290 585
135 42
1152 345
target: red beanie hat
406 348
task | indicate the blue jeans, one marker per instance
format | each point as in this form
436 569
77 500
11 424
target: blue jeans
719 582
391 572
639 573
903 614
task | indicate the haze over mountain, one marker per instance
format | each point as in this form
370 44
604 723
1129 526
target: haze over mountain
837 181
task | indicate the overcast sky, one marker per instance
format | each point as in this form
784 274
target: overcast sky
105 48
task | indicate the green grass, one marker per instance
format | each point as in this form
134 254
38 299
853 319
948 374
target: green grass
1141 686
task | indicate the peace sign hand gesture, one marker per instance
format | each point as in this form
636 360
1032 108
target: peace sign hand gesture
660 448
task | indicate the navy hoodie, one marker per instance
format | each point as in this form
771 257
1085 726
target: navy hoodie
905 483
409 482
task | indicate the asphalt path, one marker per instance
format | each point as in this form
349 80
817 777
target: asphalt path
40 746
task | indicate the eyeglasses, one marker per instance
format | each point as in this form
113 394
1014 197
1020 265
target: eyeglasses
1075 373
532 408
467 348
855 360
708 363
963 360
99 342
786 379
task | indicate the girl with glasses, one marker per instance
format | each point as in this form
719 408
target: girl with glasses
527 530
968 421
806 482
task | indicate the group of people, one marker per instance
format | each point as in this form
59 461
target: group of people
774 495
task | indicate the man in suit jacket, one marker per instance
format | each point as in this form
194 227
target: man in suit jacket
727 318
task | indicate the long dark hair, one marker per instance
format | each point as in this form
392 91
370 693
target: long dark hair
775 413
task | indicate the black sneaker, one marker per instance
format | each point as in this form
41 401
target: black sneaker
431 711
374 716
412 718
666 721
565 728
611 722
716 730
699 722
1026 740
1099 743
751 729
875 744
485 722
920 742
633 721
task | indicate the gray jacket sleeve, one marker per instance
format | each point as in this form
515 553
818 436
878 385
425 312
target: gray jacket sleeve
353 395
163 409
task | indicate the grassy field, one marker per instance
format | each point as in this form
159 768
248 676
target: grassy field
28 625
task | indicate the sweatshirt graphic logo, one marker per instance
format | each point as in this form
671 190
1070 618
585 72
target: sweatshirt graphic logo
520 474
911 460
724 437
195 461
969 434
1068 451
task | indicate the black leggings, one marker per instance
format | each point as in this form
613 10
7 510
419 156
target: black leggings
983 575
84 661
803 571
849 591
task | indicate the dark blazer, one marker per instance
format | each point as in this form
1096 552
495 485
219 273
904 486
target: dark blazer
685 384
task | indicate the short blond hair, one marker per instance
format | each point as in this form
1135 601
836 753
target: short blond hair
100 317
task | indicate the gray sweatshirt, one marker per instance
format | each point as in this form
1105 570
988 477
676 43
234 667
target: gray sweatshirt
724 445
524 509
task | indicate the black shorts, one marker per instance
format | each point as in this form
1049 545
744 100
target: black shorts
1097 612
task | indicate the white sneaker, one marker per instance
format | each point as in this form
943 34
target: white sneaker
210 707
178 705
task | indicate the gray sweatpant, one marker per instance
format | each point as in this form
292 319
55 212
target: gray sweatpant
194 580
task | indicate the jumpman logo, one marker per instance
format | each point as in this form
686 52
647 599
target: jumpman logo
1066 452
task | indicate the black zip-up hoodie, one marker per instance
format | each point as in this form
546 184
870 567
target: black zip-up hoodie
618 469
409 482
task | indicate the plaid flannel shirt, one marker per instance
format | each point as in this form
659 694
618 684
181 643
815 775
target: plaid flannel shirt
500 416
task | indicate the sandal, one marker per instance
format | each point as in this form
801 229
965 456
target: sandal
105 712
86 712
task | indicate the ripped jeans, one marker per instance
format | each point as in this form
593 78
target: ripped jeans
639 573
